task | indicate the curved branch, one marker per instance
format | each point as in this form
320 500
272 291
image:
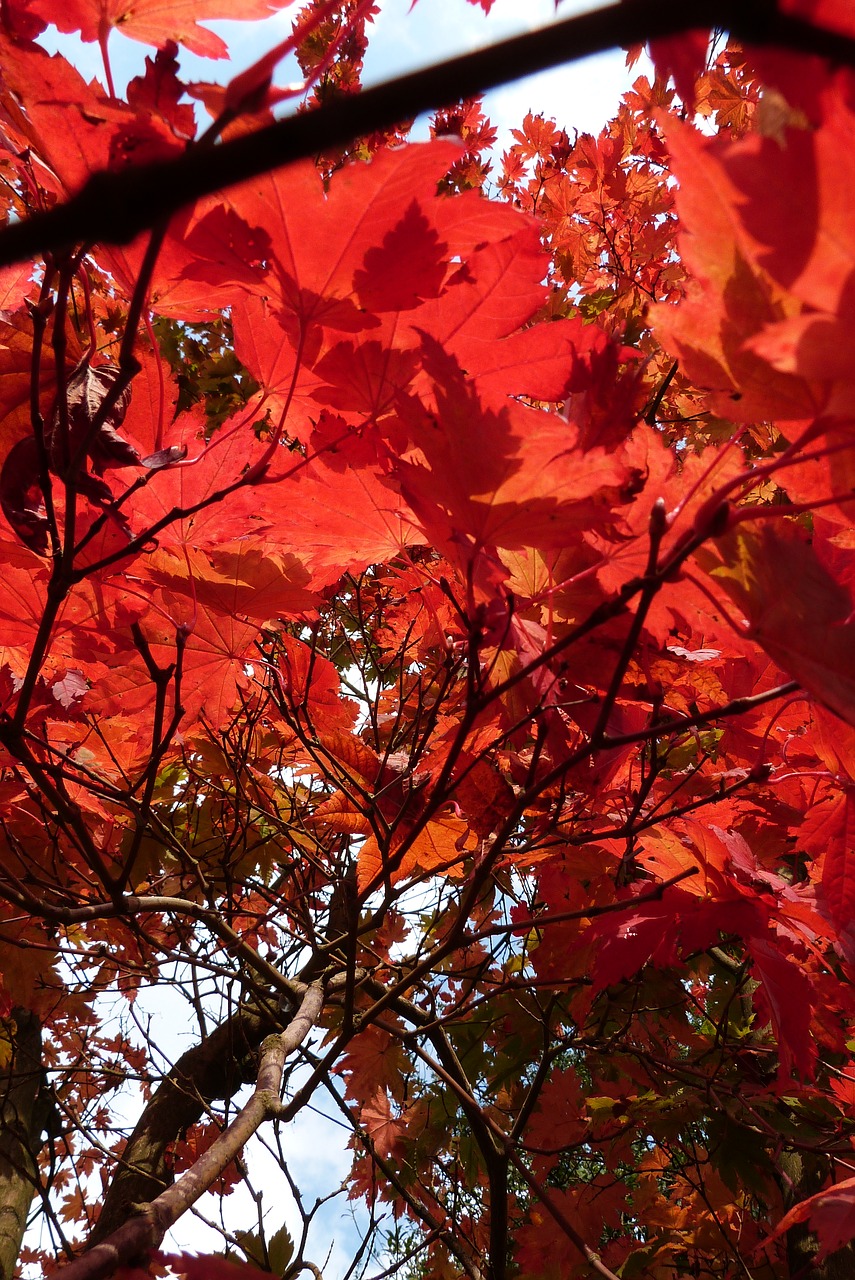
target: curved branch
112 208
132 905
143 1232
211 1070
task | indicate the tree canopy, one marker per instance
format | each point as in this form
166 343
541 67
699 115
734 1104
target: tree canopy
427 652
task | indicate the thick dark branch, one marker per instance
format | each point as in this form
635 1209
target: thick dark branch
211 1070
114 207
142 1231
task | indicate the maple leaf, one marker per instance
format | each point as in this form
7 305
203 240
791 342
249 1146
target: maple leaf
313 686
658 932
159 92
831 1214
154 22
375 1064
476 484
795 609
29 978
684 57
784 998
384 1129
480 317
439 846
239 581
731 298
327 511
362 378
647 934
21 496
559 1121
807 247
15 284
193 1267
71 427
208 650
73 129
194 1143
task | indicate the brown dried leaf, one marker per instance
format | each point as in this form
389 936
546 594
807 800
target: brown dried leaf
87 389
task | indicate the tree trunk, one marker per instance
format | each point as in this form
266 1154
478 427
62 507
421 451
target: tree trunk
21 1118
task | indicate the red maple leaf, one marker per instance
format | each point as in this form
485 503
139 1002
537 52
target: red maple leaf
154 22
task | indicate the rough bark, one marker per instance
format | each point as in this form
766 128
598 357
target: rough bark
212 1070
21 1117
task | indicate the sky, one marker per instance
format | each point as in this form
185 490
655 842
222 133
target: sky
407 35
581 97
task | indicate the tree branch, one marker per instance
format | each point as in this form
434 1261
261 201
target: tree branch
211 1070
136 1238
112 208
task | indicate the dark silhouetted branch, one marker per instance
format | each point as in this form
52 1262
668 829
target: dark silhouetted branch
114 207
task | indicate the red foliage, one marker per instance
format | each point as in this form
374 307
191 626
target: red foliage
449 599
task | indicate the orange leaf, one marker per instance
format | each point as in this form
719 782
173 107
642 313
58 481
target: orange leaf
382 1127
439 847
